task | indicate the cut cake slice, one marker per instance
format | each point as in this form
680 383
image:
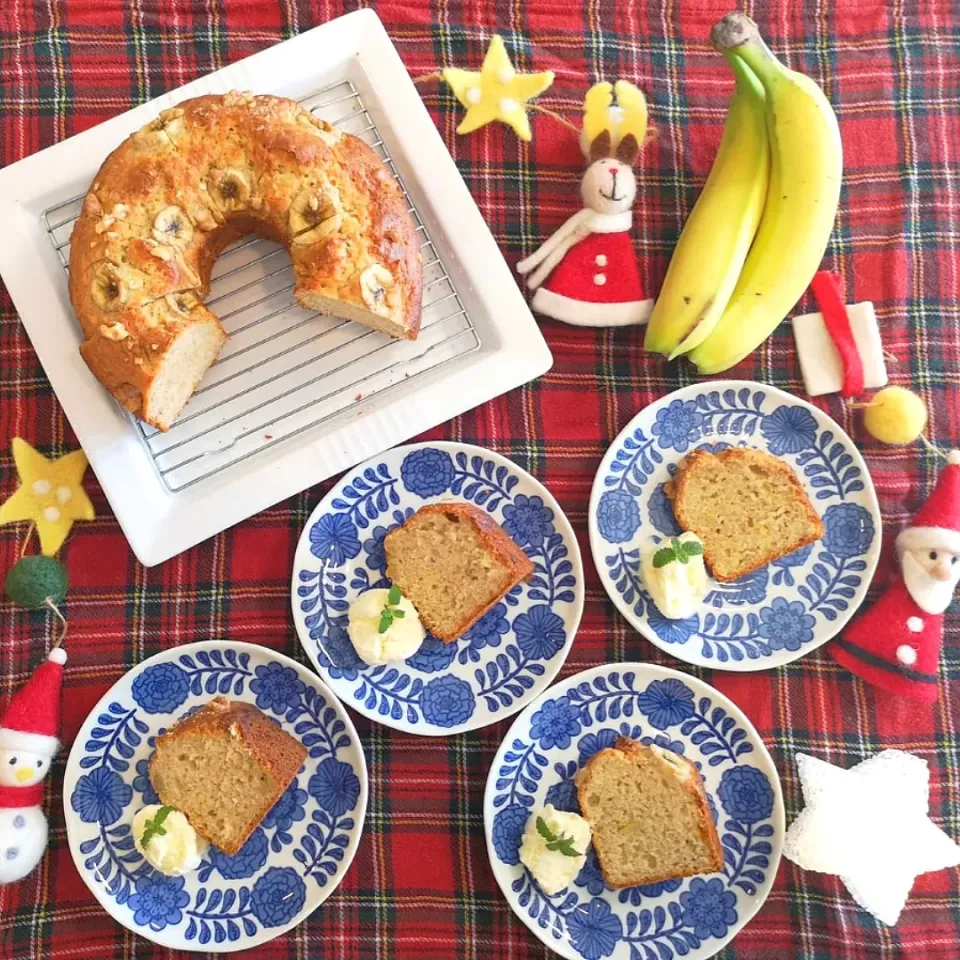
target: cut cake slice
453 562
223 768
649 815
746 506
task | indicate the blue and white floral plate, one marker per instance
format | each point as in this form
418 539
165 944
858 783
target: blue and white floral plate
537 763
292 862
782 611
506 659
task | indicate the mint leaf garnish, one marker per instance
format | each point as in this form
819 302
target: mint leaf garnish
662 557
693 548
544 830
390 611
561 844
153 827
565 846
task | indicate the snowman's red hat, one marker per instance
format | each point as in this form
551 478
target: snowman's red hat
937 523
32 718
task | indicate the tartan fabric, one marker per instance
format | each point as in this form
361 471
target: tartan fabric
421 886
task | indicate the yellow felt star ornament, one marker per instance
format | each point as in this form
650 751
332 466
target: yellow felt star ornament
50 494
497 92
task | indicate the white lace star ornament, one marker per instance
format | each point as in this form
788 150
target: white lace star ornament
869 826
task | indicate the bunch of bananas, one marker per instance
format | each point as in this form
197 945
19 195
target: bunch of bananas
758 231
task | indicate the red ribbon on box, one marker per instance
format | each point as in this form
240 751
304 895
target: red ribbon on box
827 288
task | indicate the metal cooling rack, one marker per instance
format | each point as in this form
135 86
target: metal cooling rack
285 370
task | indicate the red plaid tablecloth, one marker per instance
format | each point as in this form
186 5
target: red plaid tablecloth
421 886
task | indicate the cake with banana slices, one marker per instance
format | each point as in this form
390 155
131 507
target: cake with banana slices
177 192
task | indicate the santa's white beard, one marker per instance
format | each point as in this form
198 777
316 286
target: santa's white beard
931 596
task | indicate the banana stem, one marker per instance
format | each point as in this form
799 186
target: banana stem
746 79
737 37
733 30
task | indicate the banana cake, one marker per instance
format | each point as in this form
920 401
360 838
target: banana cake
747 506
176 193
453 561
223 768
648 811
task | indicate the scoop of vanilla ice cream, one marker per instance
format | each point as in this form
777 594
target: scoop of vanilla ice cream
552 869
676 588
401 639
177 850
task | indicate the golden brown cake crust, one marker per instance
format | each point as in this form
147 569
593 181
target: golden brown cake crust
496 542
274 750
694 787
677 490
167 201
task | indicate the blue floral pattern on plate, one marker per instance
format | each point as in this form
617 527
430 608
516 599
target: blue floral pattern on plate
538 763
505 659
776 613
289 864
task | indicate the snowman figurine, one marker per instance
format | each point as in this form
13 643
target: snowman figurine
28 743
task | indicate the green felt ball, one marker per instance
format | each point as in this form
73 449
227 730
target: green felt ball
32 580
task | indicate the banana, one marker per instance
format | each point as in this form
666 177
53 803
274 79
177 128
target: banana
229 189
108 288
717 235
806 166
172 226
182 302
313 216
376 283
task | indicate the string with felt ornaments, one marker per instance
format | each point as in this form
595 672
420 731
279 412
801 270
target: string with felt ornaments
50 498
840 351
496 92
585 274
869 825
895 643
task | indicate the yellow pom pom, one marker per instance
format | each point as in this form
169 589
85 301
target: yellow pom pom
895 415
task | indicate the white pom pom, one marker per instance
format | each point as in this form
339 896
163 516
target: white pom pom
953 458
58 655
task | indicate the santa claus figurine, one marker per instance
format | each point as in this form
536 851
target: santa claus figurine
896 643
586 273
28 742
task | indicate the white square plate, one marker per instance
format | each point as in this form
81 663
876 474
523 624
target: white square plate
294 398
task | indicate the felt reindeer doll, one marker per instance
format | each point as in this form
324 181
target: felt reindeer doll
586 273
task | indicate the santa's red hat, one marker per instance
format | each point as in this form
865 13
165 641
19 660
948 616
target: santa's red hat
32 718
937 523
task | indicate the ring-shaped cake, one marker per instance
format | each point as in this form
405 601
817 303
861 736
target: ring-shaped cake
176 193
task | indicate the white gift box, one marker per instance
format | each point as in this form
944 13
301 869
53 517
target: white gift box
820 360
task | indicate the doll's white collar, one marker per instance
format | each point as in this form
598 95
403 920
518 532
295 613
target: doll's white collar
611 222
